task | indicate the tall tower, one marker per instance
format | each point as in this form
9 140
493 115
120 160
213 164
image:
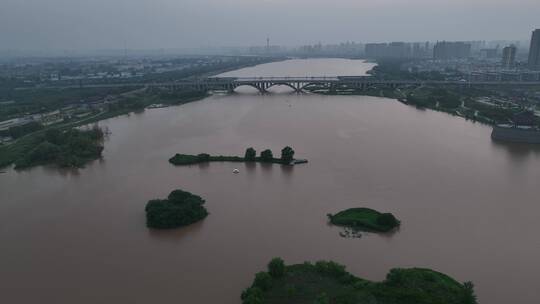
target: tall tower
534 51
268 44
509 56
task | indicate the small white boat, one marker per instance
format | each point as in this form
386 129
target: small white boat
236 171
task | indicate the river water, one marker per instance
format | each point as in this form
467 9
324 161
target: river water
469 207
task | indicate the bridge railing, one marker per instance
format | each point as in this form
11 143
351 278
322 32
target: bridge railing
275 78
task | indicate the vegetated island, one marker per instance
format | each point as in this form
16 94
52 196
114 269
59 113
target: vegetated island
181 208
266 156
64 148
328 282
365 219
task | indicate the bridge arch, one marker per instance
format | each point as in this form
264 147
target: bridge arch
252 85
296 89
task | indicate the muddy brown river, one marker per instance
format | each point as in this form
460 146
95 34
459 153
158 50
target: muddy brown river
469 207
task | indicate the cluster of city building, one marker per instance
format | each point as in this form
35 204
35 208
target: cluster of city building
475 55
455 50
455 60
107 68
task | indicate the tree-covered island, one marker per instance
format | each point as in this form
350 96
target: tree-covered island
266 156
365 219
180 208
327 282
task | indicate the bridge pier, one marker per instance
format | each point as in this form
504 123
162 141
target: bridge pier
332 88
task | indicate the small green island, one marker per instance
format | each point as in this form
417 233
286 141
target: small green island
365 219
266 156
181 208
327 282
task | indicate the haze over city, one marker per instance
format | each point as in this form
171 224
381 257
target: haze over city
143 24
269 151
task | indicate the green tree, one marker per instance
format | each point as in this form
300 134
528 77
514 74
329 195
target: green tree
20 131
322 299
181 208
388 220
180 196
330 268
287 154
276 267
253 299
267 155
262 280
251 154
395 277
203 157
252 295
469 297
42 153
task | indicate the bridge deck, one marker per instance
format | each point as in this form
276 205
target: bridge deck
297 82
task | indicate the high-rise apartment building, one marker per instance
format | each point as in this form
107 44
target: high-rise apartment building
445 50
509 56
534 51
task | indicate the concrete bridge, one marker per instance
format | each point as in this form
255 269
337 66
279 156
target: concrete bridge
300 84
332 84
262 84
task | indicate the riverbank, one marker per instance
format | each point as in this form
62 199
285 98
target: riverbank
125 102
63 148
454 101
16 150
329 282
516 134
487 105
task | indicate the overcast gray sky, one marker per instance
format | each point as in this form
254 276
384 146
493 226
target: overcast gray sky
153 24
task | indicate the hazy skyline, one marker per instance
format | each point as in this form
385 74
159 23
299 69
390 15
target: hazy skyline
146 24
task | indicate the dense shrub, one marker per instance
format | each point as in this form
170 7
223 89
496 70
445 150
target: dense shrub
469 297
203 157
45 151
71 148
387 219
262 280
330 268
181 208
251 154
267 155
252 295
395 277
287 154
365 219
328 282
276 267
19 131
